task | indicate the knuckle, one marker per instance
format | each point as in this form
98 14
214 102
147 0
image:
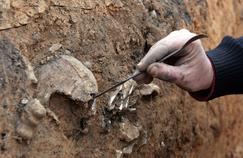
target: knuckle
172 76
184 30
180 77
166 75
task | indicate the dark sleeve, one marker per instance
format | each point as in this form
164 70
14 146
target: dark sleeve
227 62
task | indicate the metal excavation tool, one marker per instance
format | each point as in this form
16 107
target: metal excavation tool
137 73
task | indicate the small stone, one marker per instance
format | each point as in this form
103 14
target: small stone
42 6
30 119
129 131
108 2
119 4
118 154
162 144
67 52
5 103
25 131
24 101
115 3
93 107
87 4
55 47
149 89
30 71
153 14
35 107
85 130
22 18
17 4
36 36
74 18
48 58
4 4
1 82
128 149
30 12
53 116
42 62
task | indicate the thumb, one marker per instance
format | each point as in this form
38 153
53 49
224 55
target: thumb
165 72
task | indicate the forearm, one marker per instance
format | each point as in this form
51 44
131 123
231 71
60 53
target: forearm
227 61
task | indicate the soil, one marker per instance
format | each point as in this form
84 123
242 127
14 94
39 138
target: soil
110 37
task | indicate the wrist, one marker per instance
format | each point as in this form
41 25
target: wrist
209 78
206 94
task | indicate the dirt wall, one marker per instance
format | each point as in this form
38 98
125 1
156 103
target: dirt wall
110 37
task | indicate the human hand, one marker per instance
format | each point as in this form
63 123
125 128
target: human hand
191 70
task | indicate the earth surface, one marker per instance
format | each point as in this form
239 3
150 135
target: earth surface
109 37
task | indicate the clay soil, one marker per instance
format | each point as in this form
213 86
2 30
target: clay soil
110 37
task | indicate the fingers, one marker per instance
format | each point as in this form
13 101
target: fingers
170 43
156 52
150 63
161 71
165 72
144 78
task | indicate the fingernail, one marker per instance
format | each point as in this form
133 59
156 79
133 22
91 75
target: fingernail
138 65
153 71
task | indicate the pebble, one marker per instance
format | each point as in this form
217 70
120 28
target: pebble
30 118
153 14
24 101
149 89
55 47
129 131
25 131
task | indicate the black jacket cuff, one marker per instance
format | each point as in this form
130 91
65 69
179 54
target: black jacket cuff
227 60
